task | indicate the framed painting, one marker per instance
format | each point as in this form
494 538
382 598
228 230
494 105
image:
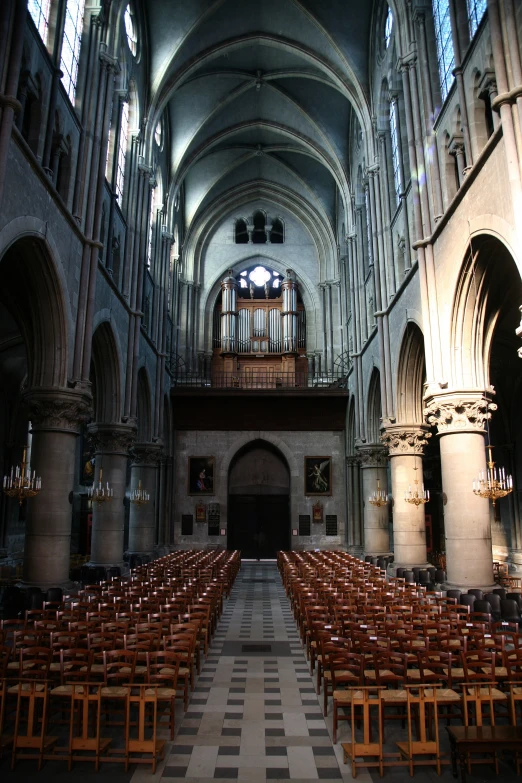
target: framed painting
201 476
318 475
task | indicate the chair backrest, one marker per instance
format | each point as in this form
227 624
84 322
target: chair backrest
477 696
118 666
510 610
494 601
479 595
515 597
467 599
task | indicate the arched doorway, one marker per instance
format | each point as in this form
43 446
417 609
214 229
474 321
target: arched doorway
259 501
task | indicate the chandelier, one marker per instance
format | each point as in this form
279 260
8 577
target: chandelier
100 494
378 497
139 496
22 482
492 483
416 497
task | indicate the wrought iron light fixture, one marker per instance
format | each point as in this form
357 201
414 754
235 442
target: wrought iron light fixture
139 496
378 497
101 493
416 496
22 482
492 483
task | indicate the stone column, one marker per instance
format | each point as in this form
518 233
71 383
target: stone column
353 524
112 443
142 519
373 460
405 447
460 420
56 416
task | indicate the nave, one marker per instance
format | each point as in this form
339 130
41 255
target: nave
254 713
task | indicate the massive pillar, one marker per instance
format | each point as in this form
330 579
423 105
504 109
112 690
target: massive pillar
142 519
373 460
405 446
112 443
56 416
460 420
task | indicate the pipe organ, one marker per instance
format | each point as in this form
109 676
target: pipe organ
259 328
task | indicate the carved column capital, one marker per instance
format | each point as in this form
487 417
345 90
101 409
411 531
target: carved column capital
58 409
404 439
459 411
147 454
112 438
352 461
372 456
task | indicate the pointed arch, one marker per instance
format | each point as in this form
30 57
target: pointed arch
374 408
489 283
32 291
411 375
105 374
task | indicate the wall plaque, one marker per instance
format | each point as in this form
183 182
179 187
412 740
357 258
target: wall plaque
331 524
214 519
304 524
187 524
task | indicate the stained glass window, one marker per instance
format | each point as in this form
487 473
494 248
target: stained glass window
130 29
151 225
72 41
444 40
39 10
388 27
476 10
368 225
122 150
394 132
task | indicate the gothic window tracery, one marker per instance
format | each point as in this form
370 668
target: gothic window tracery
394 135
122 150
476 10
39 11
444 41
71 44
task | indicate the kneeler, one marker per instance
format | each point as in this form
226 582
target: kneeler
85 742
368 700
423 712
144 739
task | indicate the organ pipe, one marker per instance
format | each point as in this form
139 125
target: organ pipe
244 331
289 313
228 314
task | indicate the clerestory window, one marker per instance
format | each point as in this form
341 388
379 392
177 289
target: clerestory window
444 41
40 10
476 10
71 45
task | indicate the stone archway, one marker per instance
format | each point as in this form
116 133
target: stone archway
259 501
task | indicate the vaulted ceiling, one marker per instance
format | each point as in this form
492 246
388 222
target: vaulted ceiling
260 92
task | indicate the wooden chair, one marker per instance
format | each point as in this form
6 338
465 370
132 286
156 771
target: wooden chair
476 697
163 671
346 671
5 739
422 709
363 702
141 735
85 740
30 740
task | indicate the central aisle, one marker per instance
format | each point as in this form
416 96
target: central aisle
254 714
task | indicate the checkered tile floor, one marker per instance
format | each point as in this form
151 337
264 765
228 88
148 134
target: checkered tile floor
254 715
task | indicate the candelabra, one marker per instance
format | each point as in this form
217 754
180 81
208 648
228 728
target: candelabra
100 494
139 496
22 482
378 497
492 483
416 497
